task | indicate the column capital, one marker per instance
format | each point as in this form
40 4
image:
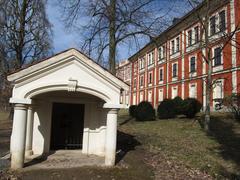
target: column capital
113 111
20 107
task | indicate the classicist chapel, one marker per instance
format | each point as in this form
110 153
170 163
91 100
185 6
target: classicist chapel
68 101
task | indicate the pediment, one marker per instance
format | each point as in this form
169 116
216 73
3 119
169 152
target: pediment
71 66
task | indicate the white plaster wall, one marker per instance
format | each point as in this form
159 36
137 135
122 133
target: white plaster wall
42 128
94 128
60 75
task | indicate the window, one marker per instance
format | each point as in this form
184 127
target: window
177 44
161 53
150 78
160 95
196 31
161 74
151 58
172 44
222 21
189 37
218 89
193 91
141 81
134 99
174 73
135 68
150 96
141 96
193 64
135 83
217 56
142 62
212 25
174 92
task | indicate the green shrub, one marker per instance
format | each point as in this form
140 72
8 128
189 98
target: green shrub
178 105
191 107
166 109
145 112
132 110
232 103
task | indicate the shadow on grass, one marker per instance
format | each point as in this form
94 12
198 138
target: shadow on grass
226 132
125 143
125 121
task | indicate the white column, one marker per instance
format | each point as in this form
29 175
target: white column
111 137
18 137
233 47
29 133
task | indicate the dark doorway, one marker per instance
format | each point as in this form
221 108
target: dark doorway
67 126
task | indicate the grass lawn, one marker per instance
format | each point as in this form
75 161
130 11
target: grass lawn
163 149
182 141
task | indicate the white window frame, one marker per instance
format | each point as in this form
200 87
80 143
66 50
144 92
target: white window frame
175 78
134 99
161 54
195 43
214 91
141 63
161 81
220 67
174 88
141 96
160 98
135 84
192 74
150 95
150 84
218 33
172 44
222 86
190 85
175 53
141 85
151 58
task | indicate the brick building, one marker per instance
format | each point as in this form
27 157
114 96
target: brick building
123 71
173 63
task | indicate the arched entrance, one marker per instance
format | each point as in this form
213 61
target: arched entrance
67 126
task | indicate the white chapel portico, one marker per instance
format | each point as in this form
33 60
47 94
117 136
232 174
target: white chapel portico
65 102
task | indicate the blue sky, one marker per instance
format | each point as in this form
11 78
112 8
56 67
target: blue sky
64 39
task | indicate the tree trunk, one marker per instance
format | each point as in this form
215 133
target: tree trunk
112 38
207 117
19 50
208 95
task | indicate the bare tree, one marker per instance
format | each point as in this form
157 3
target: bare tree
25 36
113 22
26 31
206 42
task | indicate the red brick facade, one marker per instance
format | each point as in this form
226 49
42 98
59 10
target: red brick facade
175 66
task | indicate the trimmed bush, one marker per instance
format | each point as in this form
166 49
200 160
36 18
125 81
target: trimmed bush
166 109
232 103
191 107
145 112
178 105
132 110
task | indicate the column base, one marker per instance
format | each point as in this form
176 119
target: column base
17 160
110 158
28 153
